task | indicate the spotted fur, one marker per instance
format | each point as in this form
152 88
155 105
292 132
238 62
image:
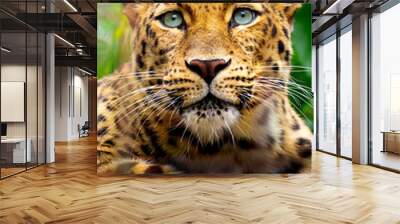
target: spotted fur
156 115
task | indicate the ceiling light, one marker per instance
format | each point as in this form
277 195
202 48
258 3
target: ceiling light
84 71
70 5
337 7
5 50
333 6
80 51
65 41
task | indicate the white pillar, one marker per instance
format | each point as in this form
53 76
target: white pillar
50 92
50 99
360 90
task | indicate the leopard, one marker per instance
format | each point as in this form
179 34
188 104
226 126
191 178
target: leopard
206 90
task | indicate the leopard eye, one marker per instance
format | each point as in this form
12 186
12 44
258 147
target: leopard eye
243 16
172 19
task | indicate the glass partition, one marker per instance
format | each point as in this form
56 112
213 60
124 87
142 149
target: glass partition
31 99
327 96
14 153
22 101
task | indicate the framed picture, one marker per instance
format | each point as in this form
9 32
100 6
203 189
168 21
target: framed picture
190 88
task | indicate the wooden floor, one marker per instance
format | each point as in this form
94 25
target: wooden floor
70 192
10 171
387 159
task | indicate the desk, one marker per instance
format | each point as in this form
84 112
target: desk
391 141
13 150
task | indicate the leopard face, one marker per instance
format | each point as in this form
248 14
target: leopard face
213 60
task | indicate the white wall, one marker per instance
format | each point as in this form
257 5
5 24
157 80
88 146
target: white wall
62 81
80 110
71 102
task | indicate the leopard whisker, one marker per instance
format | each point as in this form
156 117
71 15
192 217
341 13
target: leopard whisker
291 86
284 66
298 109
289 82
242 131
271 68
230 131
115 78
198 137
289 92
140 107
299 86
132 75
189 141
122 98
130 82
183 133
172 114
177 125
215 133
138 73
187 148
252 96
166 108
271 87
271 71
160 105
157 103
118 77
300 96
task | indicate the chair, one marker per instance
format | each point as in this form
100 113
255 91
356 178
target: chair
84 130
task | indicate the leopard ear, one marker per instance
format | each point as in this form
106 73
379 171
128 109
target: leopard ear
288 9
133 11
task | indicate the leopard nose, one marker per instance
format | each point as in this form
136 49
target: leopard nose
207 69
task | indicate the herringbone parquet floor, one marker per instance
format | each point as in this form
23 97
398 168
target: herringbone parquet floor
70 192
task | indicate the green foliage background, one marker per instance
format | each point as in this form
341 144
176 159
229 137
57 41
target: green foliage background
302 49
113 38
114 44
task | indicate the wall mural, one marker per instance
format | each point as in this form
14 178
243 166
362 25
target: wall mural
188 88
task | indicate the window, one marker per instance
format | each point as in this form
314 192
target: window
385 89
327 96
346 93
